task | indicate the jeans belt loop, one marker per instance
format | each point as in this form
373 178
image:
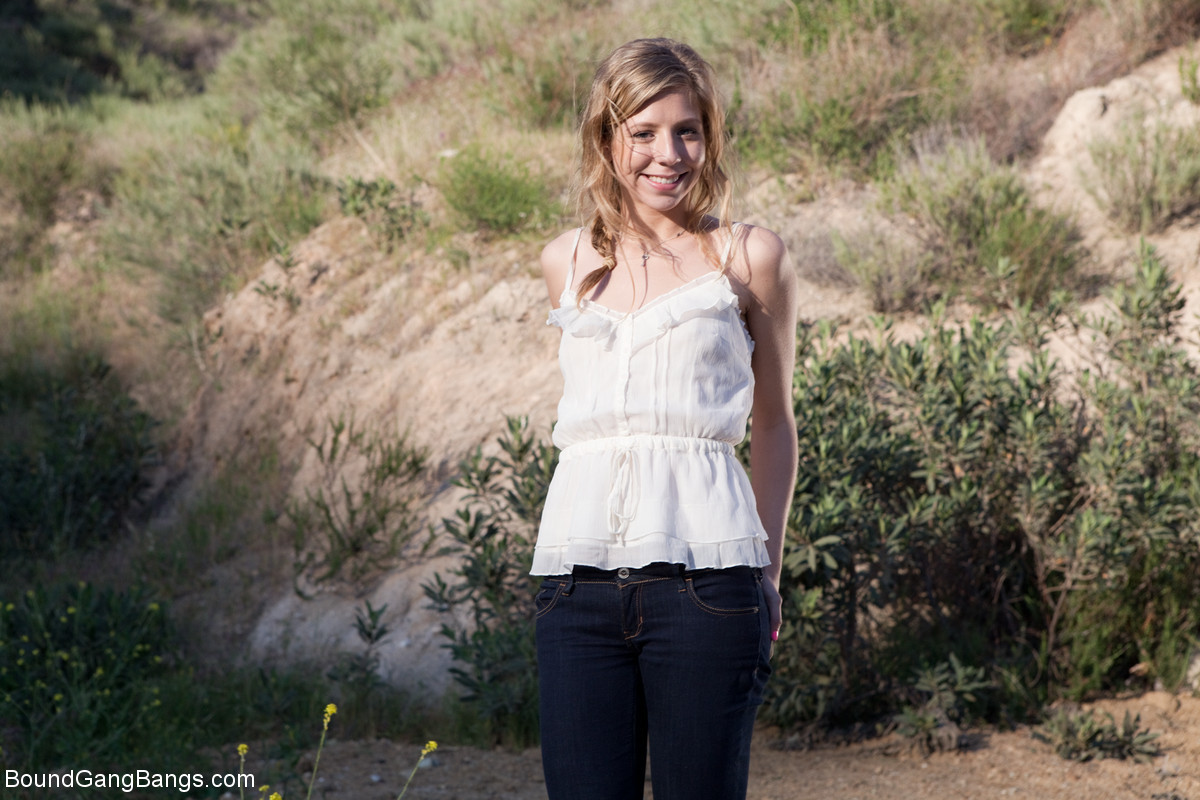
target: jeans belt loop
570 587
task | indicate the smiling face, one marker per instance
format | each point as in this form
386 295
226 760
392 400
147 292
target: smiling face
657 154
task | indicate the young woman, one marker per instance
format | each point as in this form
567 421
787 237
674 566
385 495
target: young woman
656 619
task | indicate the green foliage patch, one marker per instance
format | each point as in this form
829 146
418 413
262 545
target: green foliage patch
494 194
494 531
380 203
982 233
1080 736
349 529
60 51
73 459
1147 175
77 675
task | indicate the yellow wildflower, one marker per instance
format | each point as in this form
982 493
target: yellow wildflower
276 796
330 710
243 749
430 746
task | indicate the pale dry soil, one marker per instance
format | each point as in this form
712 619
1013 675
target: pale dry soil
1000 764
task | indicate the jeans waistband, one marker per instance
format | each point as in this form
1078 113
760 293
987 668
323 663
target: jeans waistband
655 570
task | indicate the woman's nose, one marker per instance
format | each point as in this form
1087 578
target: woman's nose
669 154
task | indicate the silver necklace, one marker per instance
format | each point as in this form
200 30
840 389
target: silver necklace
646 252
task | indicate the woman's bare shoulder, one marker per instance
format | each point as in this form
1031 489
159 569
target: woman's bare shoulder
760 256
556 260
763 248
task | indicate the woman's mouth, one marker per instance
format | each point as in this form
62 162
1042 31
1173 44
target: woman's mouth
667 182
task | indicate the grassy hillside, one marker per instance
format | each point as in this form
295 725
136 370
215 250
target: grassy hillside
154 154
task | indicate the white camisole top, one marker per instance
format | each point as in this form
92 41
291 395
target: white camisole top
654 401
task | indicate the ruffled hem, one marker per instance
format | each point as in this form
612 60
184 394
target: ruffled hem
561 559
630 501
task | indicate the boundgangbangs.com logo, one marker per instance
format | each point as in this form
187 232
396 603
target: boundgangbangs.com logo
125 781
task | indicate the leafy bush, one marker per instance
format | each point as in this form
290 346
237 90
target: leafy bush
1134 617
64 52
494 530
1079 736
78 671
947 699
1147 175
348 529
74 460
952 502
971 213
495 195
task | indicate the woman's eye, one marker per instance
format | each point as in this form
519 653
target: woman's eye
643 136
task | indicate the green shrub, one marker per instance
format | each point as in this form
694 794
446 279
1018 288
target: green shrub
379 203
1026 26
41 158
494 530
965 511
971 214
1189 79
350 529
1147 175
1135 538
495 195
53 52
74 460
1079 736
950 503
78 672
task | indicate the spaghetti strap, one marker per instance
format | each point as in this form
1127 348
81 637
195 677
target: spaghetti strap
569 285
733 230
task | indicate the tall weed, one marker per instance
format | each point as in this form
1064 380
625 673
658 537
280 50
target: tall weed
350 529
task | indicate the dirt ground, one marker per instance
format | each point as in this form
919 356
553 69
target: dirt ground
999 765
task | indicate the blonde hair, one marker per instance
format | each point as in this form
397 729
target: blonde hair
626 81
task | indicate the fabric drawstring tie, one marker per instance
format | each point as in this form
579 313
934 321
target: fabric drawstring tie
624 495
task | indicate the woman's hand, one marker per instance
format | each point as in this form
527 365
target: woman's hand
774 605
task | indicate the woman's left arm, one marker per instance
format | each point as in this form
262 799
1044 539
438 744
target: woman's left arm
771 318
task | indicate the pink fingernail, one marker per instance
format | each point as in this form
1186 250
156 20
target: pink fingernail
774 636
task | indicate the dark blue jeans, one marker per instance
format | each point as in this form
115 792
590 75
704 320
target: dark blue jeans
658 655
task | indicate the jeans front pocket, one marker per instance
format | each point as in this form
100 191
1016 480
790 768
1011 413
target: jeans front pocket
725 592
547 596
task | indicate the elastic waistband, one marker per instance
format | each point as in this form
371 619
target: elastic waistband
647 441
